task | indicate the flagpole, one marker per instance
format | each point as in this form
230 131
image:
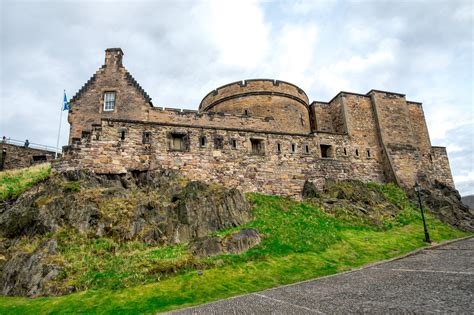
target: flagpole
59 129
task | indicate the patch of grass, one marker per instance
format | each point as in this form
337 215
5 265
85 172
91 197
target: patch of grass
72 186
300 242
14 182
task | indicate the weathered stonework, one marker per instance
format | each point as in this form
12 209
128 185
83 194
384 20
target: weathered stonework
255 135
18 156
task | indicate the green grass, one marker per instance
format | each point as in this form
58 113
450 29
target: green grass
14 182
300 242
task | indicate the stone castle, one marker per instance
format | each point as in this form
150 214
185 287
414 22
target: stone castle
256 135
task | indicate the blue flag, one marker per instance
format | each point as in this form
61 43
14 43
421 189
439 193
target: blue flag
66 104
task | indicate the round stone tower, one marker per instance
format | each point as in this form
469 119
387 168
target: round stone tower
286 103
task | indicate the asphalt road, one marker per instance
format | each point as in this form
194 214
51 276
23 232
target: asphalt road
434 280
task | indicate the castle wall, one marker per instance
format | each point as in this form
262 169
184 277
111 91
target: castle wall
19 156
397 136
232 167
441 171
284 102
321 113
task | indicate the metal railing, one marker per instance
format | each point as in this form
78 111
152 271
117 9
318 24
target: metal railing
31 145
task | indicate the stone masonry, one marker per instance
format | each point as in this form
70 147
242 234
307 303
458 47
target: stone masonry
16 156
256 135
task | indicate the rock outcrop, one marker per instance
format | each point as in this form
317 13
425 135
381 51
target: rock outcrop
445 203
234 243
158 207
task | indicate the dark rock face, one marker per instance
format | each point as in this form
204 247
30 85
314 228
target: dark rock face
28 274
230 244
158 207
445 202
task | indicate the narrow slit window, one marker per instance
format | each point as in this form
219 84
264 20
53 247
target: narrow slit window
122 132
246 112
257 146
202 141
357 152
345 151
234 143
293 148
306 149
278 147
368 152
109 101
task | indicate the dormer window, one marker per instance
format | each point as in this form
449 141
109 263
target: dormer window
109 101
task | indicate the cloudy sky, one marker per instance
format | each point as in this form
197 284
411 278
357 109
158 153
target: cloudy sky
180 50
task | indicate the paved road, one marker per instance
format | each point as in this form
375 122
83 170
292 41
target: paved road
436 280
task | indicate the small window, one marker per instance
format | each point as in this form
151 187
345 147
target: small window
431 157
306 149
246 112
202 141
39 158
178 141
146 137
218 142
293 148
257 146
109 101
357 152
86 135
122 132
326 151
233 143
345 151
278 147
368 152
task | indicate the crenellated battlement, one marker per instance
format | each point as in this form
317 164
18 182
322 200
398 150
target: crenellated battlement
253 87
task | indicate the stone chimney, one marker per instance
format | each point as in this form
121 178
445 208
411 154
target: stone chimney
113 57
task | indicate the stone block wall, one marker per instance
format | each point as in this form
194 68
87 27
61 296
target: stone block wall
284 102
19 156
278 171
441 171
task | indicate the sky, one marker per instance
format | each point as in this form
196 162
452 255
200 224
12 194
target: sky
180 50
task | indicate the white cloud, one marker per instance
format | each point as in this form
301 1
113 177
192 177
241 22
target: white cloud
239 32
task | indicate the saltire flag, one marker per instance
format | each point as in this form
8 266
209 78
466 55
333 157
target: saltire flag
66 104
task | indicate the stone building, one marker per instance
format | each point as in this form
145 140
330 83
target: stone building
256 135
15 155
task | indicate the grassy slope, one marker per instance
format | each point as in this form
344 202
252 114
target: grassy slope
14 182
300 242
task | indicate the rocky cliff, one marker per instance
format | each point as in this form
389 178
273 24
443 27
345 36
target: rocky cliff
157 207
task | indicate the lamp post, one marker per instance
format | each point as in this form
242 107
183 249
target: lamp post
427 236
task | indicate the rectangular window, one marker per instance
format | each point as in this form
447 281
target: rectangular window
109 101
278 147
293 148
368 152
306 149
257 146
218 142
234 143
39 158
326 151
178 142
146 137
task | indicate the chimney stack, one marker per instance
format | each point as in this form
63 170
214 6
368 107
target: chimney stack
113 57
